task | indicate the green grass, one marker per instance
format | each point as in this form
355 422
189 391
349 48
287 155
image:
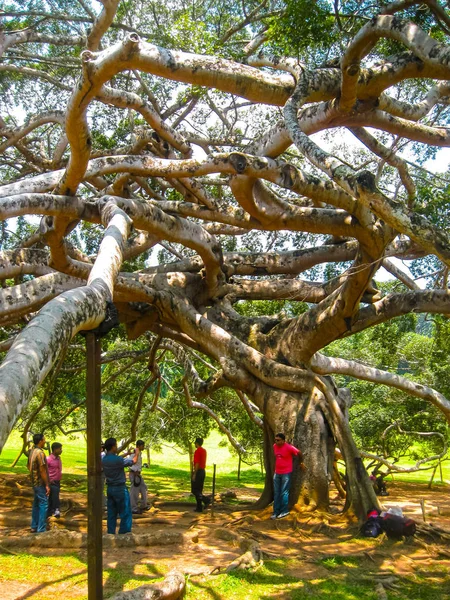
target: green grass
272 581
70 571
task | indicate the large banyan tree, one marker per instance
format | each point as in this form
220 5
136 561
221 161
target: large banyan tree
184 126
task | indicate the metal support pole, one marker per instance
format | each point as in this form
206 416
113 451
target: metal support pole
239 468
94 468
213 490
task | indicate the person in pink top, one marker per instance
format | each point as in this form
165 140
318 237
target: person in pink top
284 465
54 474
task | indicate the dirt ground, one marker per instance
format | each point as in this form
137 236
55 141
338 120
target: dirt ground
302 538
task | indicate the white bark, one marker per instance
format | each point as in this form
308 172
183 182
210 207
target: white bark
102 23
36 348
327 365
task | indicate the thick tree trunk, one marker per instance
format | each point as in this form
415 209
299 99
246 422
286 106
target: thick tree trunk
315 422
360 495
300 418
310 488
266 497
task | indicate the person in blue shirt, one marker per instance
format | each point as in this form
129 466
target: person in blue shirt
118 498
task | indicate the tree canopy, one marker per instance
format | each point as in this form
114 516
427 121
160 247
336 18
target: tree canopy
219 139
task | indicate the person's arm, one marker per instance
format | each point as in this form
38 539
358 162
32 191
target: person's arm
299 456
136 455
49 468
194 469
44 474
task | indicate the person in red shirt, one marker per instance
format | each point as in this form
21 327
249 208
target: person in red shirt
284 454
198 475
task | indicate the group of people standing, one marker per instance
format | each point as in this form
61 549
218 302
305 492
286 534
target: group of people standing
46 475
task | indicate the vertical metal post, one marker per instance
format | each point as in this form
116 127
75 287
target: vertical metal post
93 417
213 490
239 468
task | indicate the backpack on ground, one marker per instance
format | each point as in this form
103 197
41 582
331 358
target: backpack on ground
396 526
371 528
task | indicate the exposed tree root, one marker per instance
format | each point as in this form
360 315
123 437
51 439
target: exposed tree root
381 592
252 557
425 530
171 588
62 538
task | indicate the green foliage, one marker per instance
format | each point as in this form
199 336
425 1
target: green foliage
440 355
260 308
396 346
303 27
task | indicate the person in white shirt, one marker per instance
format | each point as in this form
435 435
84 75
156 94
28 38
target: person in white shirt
137 483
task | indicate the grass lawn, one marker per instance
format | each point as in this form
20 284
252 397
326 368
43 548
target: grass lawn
345 579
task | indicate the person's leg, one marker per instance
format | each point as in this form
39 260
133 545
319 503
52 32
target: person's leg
35 511
126 519
50 503
201 481
134 493
56 502
112 511
53 500
284 493
276 494
42 501
197 488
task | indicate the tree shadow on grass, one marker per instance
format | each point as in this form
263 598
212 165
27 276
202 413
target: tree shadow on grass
45 584
344 582
115 578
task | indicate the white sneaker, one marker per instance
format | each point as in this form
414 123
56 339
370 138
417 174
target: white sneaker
57 513
282 515
274 516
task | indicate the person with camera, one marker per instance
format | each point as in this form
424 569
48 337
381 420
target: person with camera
118 498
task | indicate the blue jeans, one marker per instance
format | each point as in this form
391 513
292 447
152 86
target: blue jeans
118 504
39 510
281 486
